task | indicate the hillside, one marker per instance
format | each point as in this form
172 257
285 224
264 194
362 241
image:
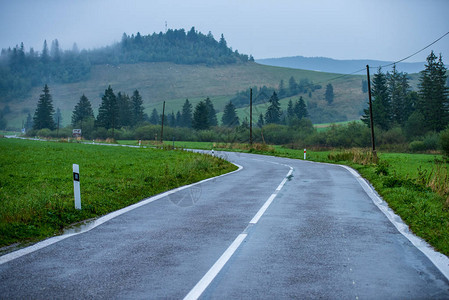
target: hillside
174 83
324 64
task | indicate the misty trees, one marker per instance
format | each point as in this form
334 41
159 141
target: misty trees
154 118
43 116
273 113
186 115
201 116
230 118
433 101
212 114
108 113
82 112
138 115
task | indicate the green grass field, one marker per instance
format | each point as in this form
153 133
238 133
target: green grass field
36 184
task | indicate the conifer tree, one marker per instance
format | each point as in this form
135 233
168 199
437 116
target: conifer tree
273 113
300 109
260 121
381 103
212 116
230 118
125 112
433 101
83 111
186 115
290 110
201 117
138 115
108 114
154 118
43 116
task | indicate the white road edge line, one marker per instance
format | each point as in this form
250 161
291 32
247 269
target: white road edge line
45 243
202 285
440 260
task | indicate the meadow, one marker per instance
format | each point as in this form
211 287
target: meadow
36 183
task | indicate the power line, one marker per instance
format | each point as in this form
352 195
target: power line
387 65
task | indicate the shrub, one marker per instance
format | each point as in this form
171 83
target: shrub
417 146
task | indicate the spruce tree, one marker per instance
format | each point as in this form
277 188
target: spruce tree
300 109
43 116
108 114
260 121
380 102
138 115
398 88
290 110
83 111
433 101
230 118
154 118
125 111
212 116
273 113
201 117
186 115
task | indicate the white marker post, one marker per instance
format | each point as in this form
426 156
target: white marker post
305 151
76 186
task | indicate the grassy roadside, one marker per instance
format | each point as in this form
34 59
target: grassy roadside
36 189
416 186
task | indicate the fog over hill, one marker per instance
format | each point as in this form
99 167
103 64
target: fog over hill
324 64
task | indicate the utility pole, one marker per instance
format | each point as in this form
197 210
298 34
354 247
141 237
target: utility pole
251 116
371 115
162 127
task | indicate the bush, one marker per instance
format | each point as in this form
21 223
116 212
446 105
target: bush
417 146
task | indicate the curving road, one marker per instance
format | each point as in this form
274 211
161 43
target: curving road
277 228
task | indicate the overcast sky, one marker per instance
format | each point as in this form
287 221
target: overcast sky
341 29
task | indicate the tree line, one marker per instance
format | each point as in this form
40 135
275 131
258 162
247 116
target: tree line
417 112
21 70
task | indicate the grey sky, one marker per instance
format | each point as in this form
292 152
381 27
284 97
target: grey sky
343 29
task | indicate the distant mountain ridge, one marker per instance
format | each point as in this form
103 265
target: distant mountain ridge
324 64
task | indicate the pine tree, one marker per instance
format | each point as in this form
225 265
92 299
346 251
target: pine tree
154 118
290 110
82 112
398 89
212 117
282 91
186 115
381 103
178 119
201 117
108 114
273 113
292 86
329 95
433 101
138 115
43 116
230 117
300 109
260 121
125 111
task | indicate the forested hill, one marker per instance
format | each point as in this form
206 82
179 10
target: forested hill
21 70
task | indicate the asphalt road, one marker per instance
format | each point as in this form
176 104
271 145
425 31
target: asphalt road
321 237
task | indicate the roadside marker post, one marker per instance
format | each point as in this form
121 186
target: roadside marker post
76 186
305 152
